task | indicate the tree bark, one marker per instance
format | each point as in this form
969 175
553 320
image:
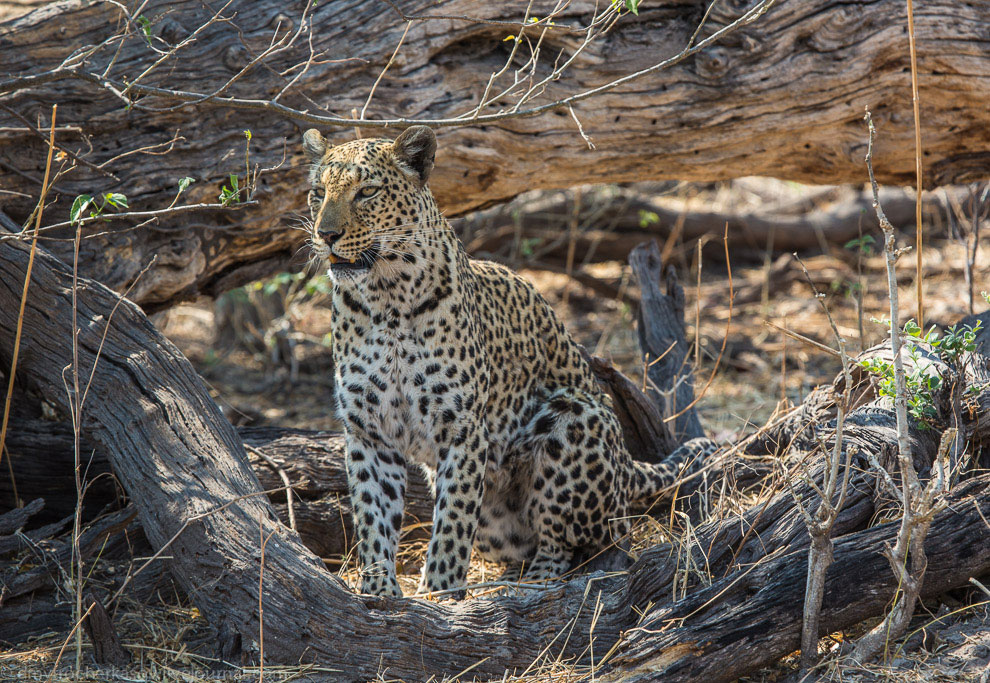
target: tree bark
727 112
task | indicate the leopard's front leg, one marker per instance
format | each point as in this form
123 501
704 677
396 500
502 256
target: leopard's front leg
377 480
460 481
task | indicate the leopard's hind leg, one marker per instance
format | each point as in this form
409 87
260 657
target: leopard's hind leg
579 474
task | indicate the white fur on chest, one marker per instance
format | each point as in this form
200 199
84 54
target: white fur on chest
396 358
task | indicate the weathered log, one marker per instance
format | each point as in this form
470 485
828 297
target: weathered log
726 112
753 616
54 560
42 465
612 221
15 518
312 461
41 460
186 472
35 600
663 341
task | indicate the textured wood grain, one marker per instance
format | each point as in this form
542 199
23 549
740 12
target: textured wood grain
781 97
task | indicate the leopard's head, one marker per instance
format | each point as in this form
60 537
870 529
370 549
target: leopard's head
368 199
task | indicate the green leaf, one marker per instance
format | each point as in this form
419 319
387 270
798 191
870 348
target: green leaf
116 199
863 244
78 206
633 6
184 183
145 24
647 218
247 134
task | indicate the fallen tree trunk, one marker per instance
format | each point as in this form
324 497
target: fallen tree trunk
752 617
611 221
726 112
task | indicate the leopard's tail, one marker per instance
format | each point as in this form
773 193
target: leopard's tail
649 480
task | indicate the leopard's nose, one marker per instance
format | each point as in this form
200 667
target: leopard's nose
329 236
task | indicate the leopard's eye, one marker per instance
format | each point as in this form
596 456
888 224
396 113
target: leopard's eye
370 191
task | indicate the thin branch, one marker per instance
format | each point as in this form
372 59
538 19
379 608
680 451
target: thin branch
919 505
803 339
387 65
127 215
820 528
116 88
285 480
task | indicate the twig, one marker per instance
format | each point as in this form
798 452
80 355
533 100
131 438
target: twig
185 525
261 584
820 527
919 503
285 480
65 643
697 315
804 340
382 73
973 580
156 213
75 406
571 246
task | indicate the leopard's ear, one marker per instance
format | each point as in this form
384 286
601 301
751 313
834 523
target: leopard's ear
314 145
414 151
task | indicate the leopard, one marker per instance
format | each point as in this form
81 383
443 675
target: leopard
461 367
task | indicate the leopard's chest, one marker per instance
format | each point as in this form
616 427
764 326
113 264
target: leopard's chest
402 389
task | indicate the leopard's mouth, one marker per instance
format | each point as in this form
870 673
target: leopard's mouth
361 263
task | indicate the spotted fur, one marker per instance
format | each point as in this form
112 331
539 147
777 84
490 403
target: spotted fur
462 367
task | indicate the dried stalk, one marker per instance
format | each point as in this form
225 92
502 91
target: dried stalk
916 102
27 282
